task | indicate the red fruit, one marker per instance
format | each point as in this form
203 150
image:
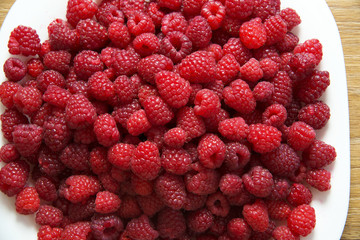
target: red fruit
258 181
207 103
302 220
176 161
211 151
276 29
238 228
171 189
191 123
251 70
171 223
80 9
14 69
264 138
256 215
300 136
319 154
49 215
27 138
199 32
138 123
200 220
299 194
175 137
319 179
27 100
7 91
107 202
230 184
76 231
283 233
139 23
157 111
239 97
106 130
48 233
240 52
316 114
13 177
173 22
86 63
176 46
218 204
146 44
202 183
120 155
79 188
107 226
100 87
214 12
253 34
149 66
27 201
239 9
140 228
25 41
80 113
92 35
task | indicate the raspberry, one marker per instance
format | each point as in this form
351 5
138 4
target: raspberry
314 86
125 62
56 133
107 202
80 9
191 123
192 7
176 46
156 135
214 13
172 4
239 9
108 13
56 96
268 52
86 63
200 220
138 123
227 68
50 163
124 89
199 32
283 233
7 91
176 161
171 189
151 204
237 156
198 67
146 44
75 156
79 112
129 207
299 194
251 70
157 111
258 181
174 89
61 37
46 189
140 228
24 41
139 23
27 201
49 215
149 66
123 112
278 210
239 97
300 136
9 119
14 69
27 100
256 215
319 154
79 188
109 182
9 153
171 223
119 34
106 226
274 115
58 61
316 114
276 29
312 46
194 201
92 35
13 177
120 155
319 179
130 6
106 130
203 183
79 87
217 50
76 231
81 211
282 89
280 190
230 29
211 151
27 138
265 8
253 34
155 13
145 161
175 137
230 184
207 103
173 22
100 86
302 220
50 77
238 228
288 44
141 187
302 64
48 233
218 204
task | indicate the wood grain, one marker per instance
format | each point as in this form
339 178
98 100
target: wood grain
347 16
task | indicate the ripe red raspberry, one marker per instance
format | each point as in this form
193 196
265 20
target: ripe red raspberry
214 13
237 156
176 161
46 189
211 151
123 112
200 220
314 86
151 204
230 184
42 114
109 182
230 29
76 231
312 46
217 50
239 97
176 46
157 111
198 67
80 187
14 69
146 44
300 136
170 4
171 223
80 9
282 89
125 62
138 123
145 161
264 138
192 7
302 65
86 63
253 33
124 89
57 134
202 183
149 66
27 201
316 114
171 189
218 204
288 44
50 77
155 13
27 100
141 228
156 135
251 70
191 123
100 87
276 29
58 61
76 156
256 215
280 190
258 181
107 202
319 179
108 12
145 91
27 138
106 130
299 194
207 103
106 226
239 9
61 37
194 201
50 163
175 137
79 112
119 34
172 88
7 91
129 207
274 115
199 32
49 215
84 135
48 233
319 154
265 8
79 87
238 228
278 209
302 220
24 41
92 35
227 68
291 18
283 233
130 6
140 186
139 23
120 155
173 22
9 153
81 211
13 177
56 96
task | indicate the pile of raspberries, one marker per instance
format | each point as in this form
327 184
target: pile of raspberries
166 119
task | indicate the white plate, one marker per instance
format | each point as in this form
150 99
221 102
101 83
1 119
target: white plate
317 22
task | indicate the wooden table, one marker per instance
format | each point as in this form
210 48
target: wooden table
347 15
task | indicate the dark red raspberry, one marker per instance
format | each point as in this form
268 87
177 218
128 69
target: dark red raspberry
194 201
239 9
264 138
265 8
50 163
234 129
251 70
79 87
145 161
24 41
86 63
108 12
319 179
145 91
100 87
230 28
7 91
56 96
256 215
217 50
268 52
27 138
27 100
299 194
107 202
319 154
207 103
78 230
280 190
155 13
283 233
292 112
171 189
41 116
316 114
218 204
84 135
312 46
47 233
106 226
282 89
175 137
191 123
276 29
50 77
56 133
237 156
227 68
80 9
278 209
214 13
9 153
81 211
211 151
46 189
302 65
61 37
288 44
106 130
149 66
230 184
203 183
171 223
129 7
274 115
157 111
110 183
123 112
13 177
199 32
79 188
253 34
176 46
120 155
239 97
151 204
314 86
124 89
300 136
76 156
49 215
138 123
14 69
156 135
129 207
58 61
27 201
92 35
146 44
258 181
302 220
238 228
170 4
198 67
140 186
176 161
141 228
139 23
125 62
173 22
79 112
200 220
192 7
